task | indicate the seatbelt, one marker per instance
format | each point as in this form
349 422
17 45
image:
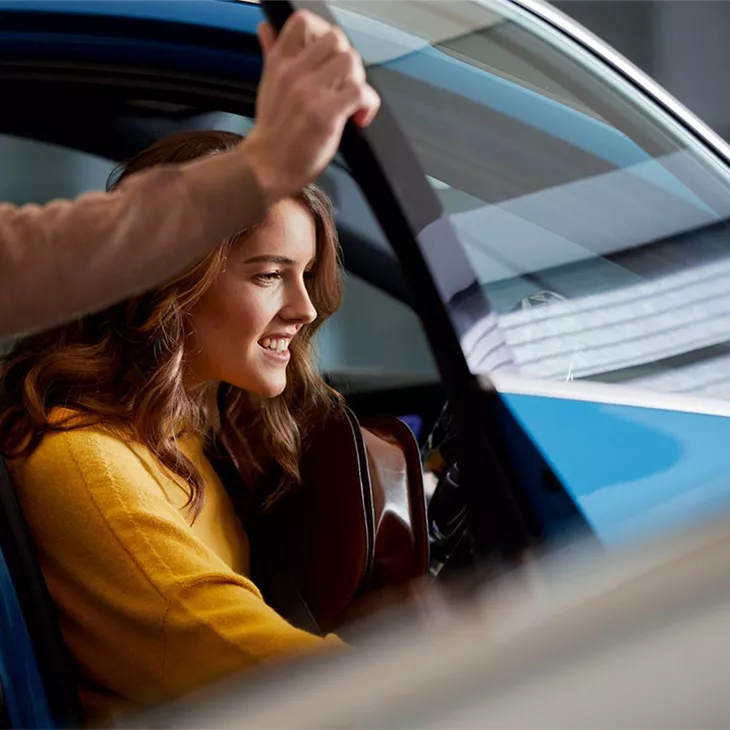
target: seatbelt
270 571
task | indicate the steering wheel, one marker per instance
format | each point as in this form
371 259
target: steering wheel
448 529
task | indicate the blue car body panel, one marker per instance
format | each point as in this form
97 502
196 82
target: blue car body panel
632 471
183 36
22 687
225 14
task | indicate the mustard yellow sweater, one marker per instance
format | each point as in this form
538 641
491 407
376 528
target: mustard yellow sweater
150 606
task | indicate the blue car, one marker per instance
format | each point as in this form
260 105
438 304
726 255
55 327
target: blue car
537 249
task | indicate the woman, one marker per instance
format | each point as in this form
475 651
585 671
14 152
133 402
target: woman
103 425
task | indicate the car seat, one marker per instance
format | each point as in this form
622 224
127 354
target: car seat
38 681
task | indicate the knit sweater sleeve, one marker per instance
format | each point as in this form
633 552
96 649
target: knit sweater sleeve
68 258
148 611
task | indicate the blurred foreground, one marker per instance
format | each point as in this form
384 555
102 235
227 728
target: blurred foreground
579 639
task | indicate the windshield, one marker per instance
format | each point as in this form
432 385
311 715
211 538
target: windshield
597 227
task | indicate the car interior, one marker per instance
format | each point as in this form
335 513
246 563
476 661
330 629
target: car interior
36 675
65 124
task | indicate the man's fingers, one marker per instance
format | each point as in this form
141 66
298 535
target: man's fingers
364 116
358 102
343 68
336 107
323 48
267 37
299 31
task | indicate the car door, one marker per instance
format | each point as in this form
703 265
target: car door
576 235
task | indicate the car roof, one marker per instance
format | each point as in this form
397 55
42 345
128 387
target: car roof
423 61
236 15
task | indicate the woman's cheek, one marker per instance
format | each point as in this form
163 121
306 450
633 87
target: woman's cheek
259 306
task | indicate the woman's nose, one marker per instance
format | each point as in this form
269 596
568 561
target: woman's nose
299 307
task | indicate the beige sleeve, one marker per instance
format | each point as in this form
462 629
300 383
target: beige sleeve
68 258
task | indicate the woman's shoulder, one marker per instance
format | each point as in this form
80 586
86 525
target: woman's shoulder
77 444
83 459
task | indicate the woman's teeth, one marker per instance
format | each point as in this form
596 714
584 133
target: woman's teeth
278 344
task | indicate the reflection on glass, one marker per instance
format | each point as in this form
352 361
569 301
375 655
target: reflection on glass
596 228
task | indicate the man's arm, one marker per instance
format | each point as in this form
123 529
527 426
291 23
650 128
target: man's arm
67 258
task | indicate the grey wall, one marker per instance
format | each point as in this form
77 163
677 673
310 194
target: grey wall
682 44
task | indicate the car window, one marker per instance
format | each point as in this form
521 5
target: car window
36 172
597 227
374 342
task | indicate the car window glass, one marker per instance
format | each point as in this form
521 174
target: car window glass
374 342
596 226
36 172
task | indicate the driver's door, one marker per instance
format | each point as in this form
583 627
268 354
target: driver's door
565 239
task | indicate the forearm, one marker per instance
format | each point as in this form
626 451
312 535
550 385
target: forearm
68 258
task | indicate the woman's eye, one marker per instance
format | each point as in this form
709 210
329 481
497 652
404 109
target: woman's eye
268 277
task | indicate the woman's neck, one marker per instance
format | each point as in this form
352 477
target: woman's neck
210 406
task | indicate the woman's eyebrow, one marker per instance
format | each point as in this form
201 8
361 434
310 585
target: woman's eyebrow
266 259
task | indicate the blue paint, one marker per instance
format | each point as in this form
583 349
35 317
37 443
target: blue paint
159 49
22 686
414 423
632 471
224 14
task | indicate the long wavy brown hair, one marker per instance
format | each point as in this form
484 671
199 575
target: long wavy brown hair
123 368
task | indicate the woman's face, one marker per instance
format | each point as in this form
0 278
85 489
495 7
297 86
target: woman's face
242 326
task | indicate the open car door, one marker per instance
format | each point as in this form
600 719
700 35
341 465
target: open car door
562 226
500 472
560 223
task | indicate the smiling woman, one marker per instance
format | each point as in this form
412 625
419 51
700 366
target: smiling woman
244 325
104 424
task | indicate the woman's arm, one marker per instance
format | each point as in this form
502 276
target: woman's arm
147 610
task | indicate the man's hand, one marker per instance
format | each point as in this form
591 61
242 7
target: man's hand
313 82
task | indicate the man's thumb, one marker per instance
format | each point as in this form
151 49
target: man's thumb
267 37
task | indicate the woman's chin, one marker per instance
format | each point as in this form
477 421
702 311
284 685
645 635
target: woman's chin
261 387
270 390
